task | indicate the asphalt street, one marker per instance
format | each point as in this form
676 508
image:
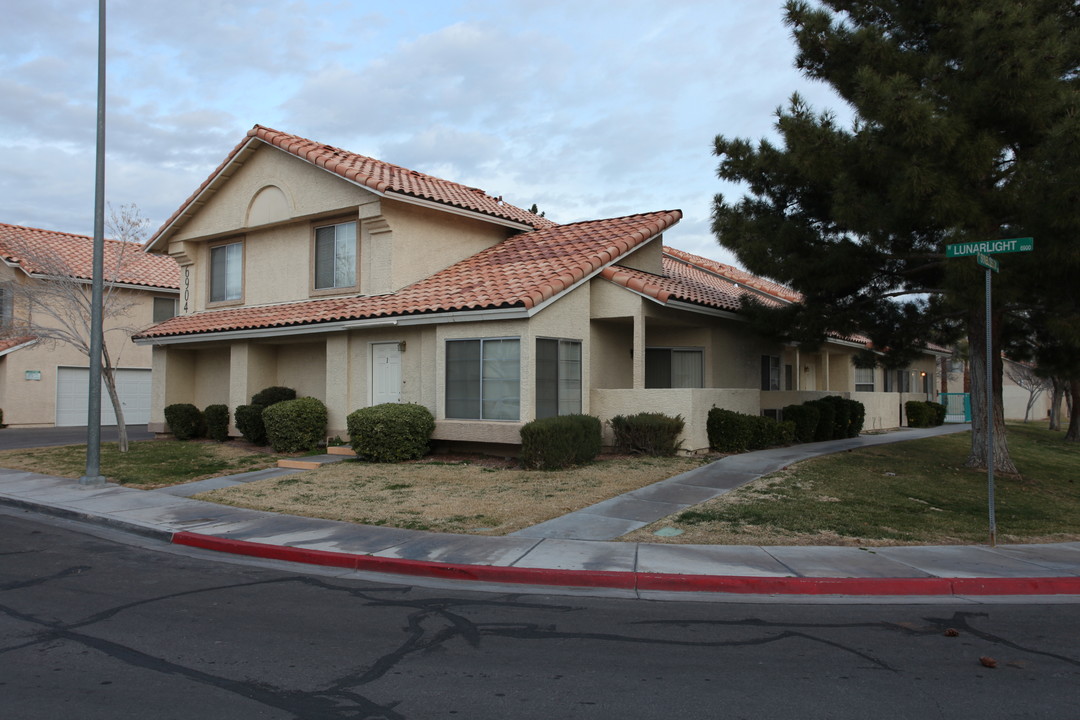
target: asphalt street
100 624
17 438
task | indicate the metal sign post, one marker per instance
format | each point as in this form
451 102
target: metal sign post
982 252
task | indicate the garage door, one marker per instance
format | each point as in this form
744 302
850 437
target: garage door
72 393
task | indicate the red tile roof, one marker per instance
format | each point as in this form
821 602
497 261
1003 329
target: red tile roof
46 252
382 177
13 343
735 275
684 281
522 271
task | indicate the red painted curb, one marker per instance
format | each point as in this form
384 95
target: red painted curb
631 580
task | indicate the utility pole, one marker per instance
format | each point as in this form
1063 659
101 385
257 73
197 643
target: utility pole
93 476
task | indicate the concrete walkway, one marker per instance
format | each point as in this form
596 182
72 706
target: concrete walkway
619 515
548 558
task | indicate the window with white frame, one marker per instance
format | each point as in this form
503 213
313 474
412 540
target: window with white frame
864 379
558 377
770 372
674 367
226 272
335 256
483 379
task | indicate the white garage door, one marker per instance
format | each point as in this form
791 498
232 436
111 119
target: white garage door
72 396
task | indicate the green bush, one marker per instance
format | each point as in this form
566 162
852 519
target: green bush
730 431
185 421
391 432
249 422
554 443
273 395
939 412
295 425
217 422
805 417
648 433
826 419
2 425
921 413
858 418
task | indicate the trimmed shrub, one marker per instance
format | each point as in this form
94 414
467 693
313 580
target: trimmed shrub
805 417
648 433
391 432
559 442
918 414
858 418
737 432
2 425
249 422
921 413
728 430
826 419
273 395
295 425
938 411
185 421
217 422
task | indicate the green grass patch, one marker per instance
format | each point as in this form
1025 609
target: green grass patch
913 492
148 464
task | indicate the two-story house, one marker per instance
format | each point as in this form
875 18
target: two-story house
360 282
44 286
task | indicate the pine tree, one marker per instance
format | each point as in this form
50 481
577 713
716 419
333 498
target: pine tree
960 108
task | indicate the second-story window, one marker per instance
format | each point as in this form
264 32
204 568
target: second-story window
226 272
335 256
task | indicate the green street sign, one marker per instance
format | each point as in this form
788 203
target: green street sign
990 247
988 262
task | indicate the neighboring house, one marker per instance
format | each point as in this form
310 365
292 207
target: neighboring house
45 382
359 282
1017 381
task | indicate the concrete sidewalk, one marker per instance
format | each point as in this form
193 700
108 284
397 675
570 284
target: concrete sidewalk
549 555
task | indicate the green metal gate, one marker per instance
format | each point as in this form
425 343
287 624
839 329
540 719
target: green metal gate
957 407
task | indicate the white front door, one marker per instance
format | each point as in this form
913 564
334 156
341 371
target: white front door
385 373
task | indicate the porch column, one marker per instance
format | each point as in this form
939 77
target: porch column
639 348
798 369
172 381
251 368
825 371
338 384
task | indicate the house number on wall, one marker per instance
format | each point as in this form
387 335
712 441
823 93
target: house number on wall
187 285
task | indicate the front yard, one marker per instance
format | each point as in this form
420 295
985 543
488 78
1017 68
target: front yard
914 492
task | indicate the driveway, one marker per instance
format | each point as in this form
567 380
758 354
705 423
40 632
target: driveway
18 438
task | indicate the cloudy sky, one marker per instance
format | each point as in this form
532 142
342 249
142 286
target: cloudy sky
589 108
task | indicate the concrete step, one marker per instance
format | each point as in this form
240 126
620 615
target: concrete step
340 450
310 462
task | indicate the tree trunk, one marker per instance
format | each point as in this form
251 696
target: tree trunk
977 360
1056 393
108 376
1074 411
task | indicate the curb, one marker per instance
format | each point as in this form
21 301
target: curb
640 581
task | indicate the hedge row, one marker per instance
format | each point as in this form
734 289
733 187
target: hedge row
828 418
923 413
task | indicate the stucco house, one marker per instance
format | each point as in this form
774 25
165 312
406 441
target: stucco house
45 382
360 282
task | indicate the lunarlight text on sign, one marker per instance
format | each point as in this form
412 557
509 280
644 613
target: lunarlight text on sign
989 247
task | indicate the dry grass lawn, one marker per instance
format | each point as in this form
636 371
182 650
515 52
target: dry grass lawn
476 496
